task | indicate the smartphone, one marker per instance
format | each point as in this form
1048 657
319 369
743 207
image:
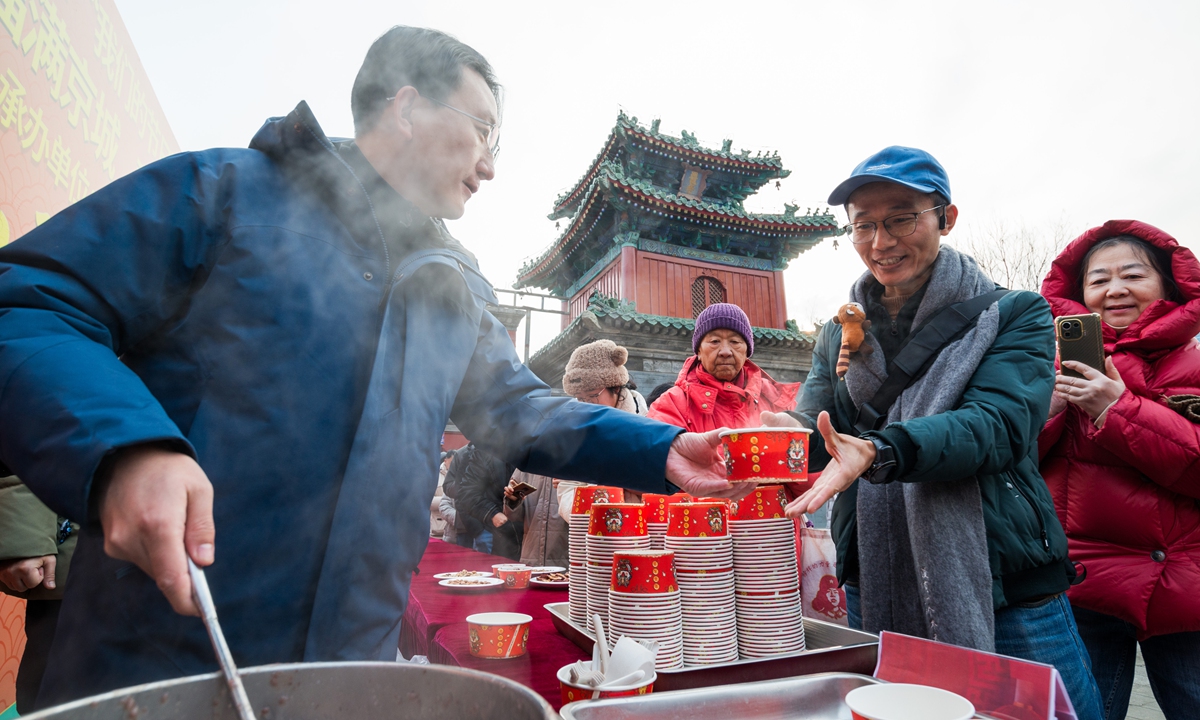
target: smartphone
522 490
1080 339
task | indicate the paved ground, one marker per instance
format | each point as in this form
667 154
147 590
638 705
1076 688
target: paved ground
1142 705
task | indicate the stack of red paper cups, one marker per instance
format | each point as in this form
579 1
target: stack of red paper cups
577 544
613 527
767 588
698 534
644 603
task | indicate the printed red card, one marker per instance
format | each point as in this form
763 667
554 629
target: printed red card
1001 687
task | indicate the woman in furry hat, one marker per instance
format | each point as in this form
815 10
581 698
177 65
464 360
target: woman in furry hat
596 374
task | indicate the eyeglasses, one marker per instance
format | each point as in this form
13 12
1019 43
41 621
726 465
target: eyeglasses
898 226
593 399
491 138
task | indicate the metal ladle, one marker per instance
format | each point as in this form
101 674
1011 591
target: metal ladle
208 612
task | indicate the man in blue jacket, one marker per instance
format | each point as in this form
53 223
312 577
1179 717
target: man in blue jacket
262 347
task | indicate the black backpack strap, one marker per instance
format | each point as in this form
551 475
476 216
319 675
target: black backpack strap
918 353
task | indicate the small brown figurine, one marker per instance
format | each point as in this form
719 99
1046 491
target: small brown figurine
853 319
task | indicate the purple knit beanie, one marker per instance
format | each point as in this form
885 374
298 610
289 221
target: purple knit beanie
726 316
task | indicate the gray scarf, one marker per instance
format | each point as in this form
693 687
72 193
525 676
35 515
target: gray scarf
922 546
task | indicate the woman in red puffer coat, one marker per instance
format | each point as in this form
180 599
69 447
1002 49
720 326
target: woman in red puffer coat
1123 462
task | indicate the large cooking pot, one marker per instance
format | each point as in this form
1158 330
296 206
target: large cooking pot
320 691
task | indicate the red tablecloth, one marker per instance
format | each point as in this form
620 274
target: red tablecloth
435 622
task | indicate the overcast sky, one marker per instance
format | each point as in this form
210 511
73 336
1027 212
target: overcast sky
1043 113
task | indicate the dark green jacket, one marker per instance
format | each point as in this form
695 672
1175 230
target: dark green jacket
29 529
991 433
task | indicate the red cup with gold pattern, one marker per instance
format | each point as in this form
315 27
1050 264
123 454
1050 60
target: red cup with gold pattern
644 571
588 494
698 519
656 506
573 693
763 503
515 576
498 635
766 455
617 520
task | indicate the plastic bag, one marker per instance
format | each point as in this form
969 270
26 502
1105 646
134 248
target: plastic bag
819 592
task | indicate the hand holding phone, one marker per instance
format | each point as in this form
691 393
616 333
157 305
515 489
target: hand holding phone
1080 339
516 492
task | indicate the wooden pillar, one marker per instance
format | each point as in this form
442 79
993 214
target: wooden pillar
780 302
629 273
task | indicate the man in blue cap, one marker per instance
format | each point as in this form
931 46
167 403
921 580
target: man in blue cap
944 528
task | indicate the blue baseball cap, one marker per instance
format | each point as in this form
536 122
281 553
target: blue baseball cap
905 166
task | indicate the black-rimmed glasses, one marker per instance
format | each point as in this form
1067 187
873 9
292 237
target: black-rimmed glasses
491 138
898 226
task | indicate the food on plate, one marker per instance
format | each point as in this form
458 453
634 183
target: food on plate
555 577
467 581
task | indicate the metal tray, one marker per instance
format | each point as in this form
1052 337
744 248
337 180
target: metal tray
816 697
831 649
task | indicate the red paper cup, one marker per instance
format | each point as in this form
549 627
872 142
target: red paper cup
588 494
574 693
617 520
763 503
498 635
644 571
515 577
901 701
656 506
698 519
766 455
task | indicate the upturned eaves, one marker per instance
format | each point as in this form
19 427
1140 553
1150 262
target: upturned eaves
762 167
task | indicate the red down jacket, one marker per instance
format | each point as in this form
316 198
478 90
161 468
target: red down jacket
1127 493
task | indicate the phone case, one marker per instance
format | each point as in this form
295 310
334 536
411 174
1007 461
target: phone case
1088 349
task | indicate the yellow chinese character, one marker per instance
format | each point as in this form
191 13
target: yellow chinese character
81 89
35 132
59 164
135 105
109 49
49 42
12 16
104 135
12 101
79 184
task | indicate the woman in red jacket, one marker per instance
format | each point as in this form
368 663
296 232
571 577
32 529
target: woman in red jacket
1122 459
719 386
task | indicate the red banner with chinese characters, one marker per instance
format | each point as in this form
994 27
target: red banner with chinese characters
76 108
76 112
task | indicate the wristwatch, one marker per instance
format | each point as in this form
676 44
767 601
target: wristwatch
881 470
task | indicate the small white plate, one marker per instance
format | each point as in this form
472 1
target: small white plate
538 582
485 583
543 569
452 575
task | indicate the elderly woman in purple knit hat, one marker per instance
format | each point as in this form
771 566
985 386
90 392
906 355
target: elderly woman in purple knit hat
720 386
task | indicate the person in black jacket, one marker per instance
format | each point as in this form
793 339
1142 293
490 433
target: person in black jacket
467 530
480 496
